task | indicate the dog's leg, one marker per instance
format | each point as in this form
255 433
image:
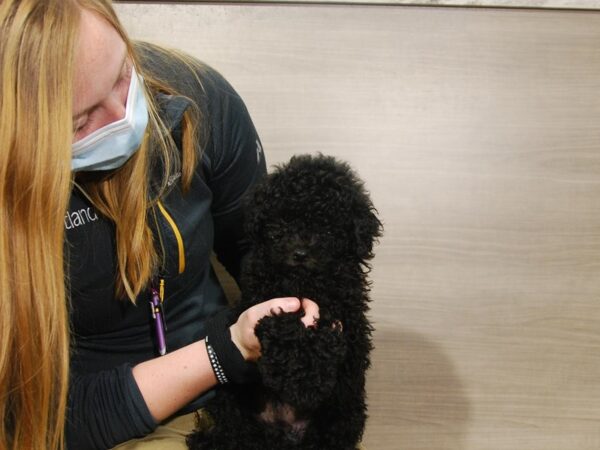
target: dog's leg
299 364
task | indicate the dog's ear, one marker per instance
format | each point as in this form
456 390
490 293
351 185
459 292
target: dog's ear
367 228
255 206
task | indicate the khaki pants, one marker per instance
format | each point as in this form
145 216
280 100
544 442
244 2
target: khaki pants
169 436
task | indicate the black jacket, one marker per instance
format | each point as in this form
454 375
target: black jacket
111 335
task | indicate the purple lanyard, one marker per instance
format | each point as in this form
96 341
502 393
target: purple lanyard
158 314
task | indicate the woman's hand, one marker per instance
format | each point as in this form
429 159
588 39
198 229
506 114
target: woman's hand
242 332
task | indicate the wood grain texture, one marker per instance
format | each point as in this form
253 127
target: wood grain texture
478 134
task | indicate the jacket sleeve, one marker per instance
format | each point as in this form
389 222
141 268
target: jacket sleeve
234 161
105 409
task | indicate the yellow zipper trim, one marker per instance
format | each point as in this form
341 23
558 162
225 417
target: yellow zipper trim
178 237
162 290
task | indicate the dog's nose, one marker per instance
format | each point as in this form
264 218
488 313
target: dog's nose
300 255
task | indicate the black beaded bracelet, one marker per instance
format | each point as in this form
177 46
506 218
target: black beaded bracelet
214 362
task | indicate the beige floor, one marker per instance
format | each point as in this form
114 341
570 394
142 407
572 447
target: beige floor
478 133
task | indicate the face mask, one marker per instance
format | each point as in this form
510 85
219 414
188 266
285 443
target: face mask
112 145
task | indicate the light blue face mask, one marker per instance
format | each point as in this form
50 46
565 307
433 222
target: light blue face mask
112 145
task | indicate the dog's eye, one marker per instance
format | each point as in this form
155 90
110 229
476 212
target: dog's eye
327 233
273 234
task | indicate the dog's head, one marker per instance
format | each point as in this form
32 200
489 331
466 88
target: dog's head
312 214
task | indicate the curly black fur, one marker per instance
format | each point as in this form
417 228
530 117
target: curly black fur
311 226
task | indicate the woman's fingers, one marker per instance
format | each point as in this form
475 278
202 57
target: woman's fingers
291 304
274 306
311 312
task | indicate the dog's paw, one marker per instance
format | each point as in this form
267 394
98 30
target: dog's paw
299 364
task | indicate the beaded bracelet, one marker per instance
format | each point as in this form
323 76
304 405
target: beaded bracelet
214 362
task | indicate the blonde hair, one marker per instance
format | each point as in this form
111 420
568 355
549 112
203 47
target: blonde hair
37 43
36 47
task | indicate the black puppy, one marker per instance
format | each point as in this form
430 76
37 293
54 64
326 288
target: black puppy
311 227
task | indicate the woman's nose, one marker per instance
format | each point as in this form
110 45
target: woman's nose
115 109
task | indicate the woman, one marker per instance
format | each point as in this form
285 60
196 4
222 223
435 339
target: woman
122 167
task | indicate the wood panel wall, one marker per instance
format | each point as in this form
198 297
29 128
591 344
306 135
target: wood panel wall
544 4
478 134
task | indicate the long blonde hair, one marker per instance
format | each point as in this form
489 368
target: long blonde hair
36 47
37 42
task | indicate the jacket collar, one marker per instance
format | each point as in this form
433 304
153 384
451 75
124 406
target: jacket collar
171 109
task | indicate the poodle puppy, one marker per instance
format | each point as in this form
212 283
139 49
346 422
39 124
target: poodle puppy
311 227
